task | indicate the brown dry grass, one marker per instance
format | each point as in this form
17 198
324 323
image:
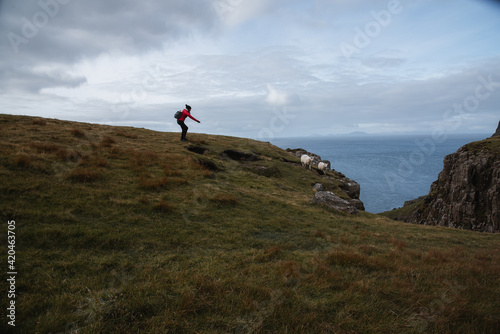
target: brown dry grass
138 236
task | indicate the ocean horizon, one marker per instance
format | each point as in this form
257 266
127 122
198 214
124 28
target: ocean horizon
390 169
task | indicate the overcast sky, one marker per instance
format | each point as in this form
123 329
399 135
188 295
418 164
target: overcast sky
255 68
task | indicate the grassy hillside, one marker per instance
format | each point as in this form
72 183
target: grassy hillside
489 145
403 212
125 230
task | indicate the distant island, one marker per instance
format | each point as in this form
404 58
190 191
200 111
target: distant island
358 133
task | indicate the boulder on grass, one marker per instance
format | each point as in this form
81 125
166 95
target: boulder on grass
331 200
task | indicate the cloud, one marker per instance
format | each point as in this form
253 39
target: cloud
66 31
275 97
92 27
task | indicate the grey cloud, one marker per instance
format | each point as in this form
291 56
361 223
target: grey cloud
134 25
246 74
406 101
65 31
32 81
232 90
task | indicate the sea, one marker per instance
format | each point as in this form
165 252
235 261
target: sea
390 169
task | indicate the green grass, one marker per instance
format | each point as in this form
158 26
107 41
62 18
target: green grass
403 212
125 230
491 144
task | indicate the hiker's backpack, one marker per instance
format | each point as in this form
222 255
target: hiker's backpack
178 114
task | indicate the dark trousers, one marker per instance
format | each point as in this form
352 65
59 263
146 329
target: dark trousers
184 129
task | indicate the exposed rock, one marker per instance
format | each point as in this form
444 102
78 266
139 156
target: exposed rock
331 200
357 204
351 188
467 192
497 133
318 187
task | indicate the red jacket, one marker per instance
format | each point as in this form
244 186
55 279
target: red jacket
186 114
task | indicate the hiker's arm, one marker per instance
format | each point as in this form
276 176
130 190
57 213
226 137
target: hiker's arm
193 118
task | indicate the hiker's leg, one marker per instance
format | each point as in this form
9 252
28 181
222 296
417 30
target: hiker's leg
180 124
184 129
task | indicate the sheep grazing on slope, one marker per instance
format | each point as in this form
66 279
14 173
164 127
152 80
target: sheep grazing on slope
306 161
323 166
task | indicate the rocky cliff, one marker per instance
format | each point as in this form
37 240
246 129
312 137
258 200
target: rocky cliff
467 192
497 133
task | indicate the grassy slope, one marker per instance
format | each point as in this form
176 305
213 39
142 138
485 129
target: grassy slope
488 145
122 230
404 212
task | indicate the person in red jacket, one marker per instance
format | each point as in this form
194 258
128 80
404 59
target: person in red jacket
185 114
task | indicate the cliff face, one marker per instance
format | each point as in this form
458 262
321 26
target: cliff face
497 133
467 192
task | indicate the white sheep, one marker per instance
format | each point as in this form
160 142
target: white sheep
306 161
323 166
